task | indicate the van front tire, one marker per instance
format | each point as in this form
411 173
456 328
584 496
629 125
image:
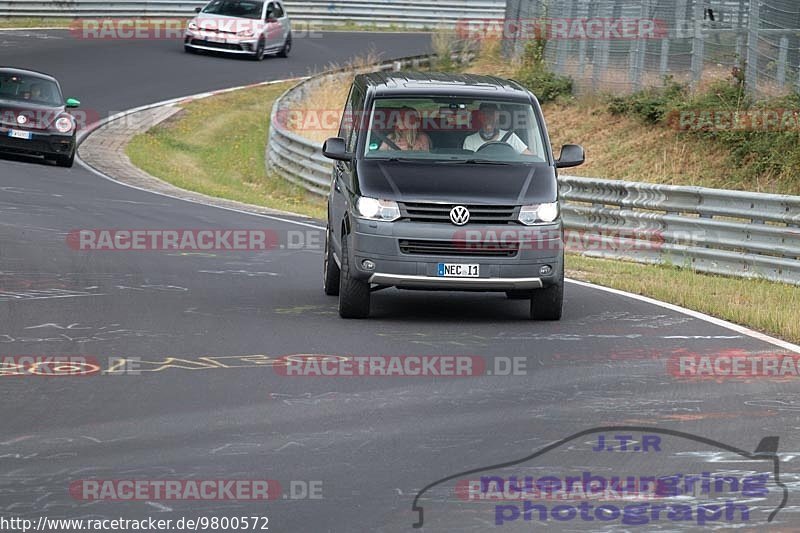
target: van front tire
331 273
354 294
547 303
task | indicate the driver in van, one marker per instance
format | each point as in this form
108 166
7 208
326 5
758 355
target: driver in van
489 132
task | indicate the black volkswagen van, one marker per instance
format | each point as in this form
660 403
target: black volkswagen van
444 182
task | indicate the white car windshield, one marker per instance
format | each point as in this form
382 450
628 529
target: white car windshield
248 9
454 129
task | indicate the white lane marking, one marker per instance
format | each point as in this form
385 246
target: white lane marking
199 202
182 99
676 308
36 29
696 314
160 506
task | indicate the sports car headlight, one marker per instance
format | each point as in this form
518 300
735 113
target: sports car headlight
538 213
192 26
64 125
372 209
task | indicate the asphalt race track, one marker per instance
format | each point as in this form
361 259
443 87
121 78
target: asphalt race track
372 442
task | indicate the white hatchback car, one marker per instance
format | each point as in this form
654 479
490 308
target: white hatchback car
251 27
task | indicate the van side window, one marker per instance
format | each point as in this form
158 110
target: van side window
346 124
277 10
350 124
358 118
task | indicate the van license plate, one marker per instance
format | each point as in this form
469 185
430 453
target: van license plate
458 270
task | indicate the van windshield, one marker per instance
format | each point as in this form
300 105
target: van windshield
456 130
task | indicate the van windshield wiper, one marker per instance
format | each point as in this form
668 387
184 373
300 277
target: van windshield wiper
396 158
481 162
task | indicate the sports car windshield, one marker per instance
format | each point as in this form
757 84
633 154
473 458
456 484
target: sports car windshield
247 9
30 89
456 130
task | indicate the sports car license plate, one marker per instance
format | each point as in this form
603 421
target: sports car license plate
17 134
458 270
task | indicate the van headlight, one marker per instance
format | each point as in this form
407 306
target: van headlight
372 209
192 26
538 213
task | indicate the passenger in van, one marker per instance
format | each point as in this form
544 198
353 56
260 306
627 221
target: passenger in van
489 132
406 134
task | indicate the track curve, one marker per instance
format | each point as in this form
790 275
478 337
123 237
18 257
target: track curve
372 441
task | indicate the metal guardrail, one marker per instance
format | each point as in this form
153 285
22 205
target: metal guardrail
406 13
735 233
738 233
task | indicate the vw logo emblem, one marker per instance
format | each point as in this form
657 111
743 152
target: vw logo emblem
22 119
459 215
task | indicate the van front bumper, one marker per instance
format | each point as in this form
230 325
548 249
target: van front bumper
473 284
537 263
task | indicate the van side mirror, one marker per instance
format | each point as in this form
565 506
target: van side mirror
572 155
198 9
335 148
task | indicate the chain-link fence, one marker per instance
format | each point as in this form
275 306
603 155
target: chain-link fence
621 46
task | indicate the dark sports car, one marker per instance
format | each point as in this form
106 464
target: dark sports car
34 118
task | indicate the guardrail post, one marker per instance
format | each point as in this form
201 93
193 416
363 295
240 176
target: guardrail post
638 50
581 59
784 49
600 63
698 44
797 86
751 66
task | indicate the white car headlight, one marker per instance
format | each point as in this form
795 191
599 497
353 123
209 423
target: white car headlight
64 125
538 213
372 209
192 26
245 33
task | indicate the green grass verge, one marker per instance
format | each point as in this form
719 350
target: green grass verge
766 306
34 22
215 146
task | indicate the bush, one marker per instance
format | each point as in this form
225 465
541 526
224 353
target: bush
651 105
756 152
536 77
